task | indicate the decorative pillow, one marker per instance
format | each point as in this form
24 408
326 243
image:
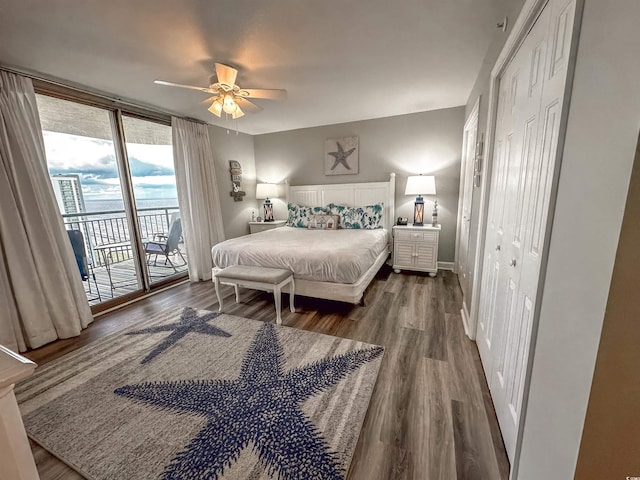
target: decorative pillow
299 215
323 222
368 217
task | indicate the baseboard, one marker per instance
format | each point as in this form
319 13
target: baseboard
446 266
466 321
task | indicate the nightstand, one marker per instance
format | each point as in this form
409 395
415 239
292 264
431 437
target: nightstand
416 248
255 227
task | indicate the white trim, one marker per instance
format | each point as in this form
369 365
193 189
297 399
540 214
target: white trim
446 266
465 318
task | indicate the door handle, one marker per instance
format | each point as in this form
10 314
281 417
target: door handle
512 263
497 248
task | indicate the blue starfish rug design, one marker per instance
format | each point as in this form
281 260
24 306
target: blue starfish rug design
189 322
261 407
257 401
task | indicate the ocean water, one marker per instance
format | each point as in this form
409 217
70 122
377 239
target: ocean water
111 204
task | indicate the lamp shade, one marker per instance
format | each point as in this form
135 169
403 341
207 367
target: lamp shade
266 190
420 185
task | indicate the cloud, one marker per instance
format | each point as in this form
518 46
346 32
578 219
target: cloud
144 169
105 168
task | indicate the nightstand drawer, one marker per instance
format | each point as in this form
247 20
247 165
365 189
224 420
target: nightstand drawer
256 227
430 236
409 235
413 236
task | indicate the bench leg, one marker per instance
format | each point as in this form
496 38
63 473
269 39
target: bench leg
292 294
237 293
216 282
277 297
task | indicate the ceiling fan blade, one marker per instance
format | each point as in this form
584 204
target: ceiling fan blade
226 74
237 114
179 85
247 105
268 94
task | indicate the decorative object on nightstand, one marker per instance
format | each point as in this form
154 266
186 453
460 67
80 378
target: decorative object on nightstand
416 248
434 215
420 185
264 191
255 227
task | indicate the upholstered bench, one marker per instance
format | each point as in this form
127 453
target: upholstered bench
258 278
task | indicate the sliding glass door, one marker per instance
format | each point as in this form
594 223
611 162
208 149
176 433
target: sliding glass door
107 190
150 161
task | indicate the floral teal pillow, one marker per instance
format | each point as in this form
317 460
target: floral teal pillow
368 217
300 215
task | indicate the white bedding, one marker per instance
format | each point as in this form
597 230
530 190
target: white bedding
339 256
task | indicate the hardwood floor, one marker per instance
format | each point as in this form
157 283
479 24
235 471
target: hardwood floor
430 415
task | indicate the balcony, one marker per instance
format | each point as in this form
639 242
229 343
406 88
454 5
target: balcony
107 243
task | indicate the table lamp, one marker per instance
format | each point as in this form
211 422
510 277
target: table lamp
264 191
420 185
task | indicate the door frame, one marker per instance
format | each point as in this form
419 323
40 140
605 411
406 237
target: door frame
472 119
523 24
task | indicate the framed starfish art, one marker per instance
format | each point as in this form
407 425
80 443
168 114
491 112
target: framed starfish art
341 156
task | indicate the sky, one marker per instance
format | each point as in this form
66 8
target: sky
93 159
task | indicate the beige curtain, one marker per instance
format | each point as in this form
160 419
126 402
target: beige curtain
197 195
41 294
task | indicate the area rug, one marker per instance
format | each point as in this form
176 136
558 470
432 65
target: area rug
192 394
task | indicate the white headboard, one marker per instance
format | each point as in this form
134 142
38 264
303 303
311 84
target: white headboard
351 194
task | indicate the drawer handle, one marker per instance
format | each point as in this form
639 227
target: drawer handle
497 248
512 263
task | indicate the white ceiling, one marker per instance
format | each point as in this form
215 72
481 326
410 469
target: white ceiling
339 61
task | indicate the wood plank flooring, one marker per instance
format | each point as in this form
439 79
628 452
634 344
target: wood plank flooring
430 415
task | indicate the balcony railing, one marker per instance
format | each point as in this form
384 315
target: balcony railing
111 227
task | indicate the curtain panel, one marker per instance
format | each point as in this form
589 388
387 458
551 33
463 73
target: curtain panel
197 195
41 294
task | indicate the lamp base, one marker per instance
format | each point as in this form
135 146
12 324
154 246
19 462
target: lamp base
268 211
418 212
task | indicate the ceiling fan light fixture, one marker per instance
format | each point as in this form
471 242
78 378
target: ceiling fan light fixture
238 113
216 107
229 104
229 97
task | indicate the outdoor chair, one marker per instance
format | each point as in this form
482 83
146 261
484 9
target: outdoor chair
85 265
167 246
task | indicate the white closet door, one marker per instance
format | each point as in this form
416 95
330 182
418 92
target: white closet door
463 266
528 123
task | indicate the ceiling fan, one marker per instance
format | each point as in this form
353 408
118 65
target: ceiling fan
229 97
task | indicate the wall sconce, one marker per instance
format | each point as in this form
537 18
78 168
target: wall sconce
420 185
264 191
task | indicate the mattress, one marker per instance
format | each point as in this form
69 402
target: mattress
339 256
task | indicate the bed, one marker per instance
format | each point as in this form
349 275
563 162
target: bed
330 264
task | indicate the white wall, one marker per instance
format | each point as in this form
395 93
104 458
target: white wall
603 125
427 142
229 146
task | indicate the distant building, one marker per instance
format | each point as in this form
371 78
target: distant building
68 191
